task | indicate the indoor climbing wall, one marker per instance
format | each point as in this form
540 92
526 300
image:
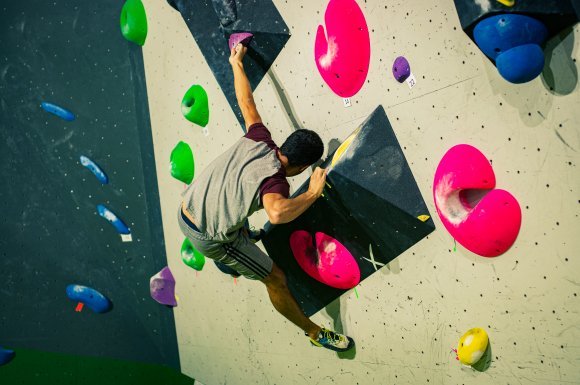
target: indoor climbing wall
408 316
452 201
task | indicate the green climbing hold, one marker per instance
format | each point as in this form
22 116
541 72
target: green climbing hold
134 21
182 164
194 105
190 256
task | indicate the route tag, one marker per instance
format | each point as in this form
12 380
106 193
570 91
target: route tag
126 238
411 81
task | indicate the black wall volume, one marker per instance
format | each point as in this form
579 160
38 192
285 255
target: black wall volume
555 14
212 24
373 206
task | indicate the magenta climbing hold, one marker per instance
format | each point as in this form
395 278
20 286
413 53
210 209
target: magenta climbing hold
162 287
243 38
325 259
483 219
401 69
343 55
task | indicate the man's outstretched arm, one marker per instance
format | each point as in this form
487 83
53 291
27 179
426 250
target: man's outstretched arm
242 87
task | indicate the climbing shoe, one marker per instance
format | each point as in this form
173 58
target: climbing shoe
333 341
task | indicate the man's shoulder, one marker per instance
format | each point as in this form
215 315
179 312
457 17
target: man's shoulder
258 132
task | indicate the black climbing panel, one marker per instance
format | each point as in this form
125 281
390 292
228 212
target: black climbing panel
373 205
555 14
211 24
72 53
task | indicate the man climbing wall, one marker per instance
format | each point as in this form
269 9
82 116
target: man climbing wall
249 176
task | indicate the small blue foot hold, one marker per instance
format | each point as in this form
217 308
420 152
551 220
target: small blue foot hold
6 356
120 226
94 300
62 113
226 269
95 169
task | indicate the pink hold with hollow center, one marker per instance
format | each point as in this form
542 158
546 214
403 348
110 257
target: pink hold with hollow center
326 260
483 219
343 55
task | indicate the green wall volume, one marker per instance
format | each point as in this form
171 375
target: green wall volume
32 367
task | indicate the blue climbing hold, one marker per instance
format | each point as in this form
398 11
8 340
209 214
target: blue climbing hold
521 64
95 169
93 299
514 41
62 113
113 219
6 356
498 34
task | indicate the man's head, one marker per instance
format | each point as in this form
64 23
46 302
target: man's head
301 149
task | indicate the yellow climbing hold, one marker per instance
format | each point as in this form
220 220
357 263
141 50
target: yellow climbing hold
507 3
472 346
423 218
343 147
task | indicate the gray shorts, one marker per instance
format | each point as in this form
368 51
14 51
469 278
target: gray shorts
241 254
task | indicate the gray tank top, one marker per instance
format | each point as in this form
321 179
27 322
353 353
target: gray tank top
227 190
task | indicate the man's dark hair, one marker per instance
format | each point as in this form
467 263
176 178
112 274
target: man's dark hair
302 148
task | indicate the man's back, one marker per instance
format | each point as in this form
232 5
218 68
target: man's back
226 192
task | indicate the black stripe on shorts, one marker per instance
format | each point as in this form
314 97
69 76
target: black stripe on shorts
245 260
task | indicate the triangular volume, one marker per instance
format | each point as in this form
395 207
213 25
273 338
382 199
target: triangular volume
374 216
375 161
390 228
212 31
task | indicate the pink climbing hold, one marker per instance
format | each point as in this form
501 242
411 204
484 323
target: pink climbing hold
243 38
483 219
343 55
326 260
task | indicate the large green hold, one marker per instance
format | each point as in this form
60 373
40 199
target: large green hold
182 164
194 105
190 256
134 21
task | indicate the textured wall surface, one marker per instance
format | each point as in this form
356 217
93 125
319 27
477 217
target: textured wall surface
73 54
409 315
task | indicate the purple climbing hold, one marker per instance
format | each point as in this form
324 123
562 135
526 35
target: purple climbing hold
162 287
242 37
401 69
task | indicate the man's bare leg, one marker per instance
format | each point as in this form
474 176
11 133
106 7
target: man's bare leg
286 304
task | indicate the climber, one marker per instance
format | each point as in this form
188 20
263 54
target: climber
249 176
